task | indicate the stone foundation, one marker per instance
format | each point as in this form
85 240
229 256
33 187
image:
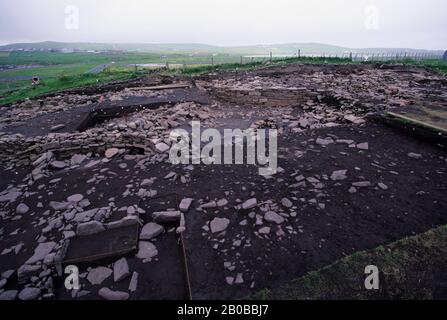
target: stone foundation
268 97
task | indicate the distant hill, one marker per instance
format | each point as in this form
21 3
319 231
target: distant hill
194 48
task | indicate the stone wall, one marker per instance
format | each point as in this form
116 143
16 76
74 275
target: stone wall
19 151
268 97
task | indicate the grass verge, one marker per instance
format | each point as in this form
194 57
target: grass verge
62 82
411 268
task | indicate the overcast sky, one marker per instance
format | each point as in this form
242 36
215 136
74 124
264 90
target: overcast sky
350 23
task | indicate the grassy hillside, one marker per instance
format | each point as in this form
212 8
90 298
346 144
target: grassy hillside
183 48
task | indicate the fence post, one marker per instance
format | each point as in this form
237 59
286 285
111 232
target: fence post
271 56
241 60
299 53
212 60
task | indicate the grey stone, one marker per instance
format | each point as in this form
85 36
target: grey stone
108 294
264 230
185 204
209 205
59 206
219 224
22 208
239 279
98 275
42 250
11 196
271 216
29 294
166 216
222 202
146 250
339 175
363 146
120 270
382 186
286 203
7 274
26 271
415 155
162 147
75 198
250 204
77 159
133 282
9 295
151 230
324 142
58 165
57 127
362 184
110 153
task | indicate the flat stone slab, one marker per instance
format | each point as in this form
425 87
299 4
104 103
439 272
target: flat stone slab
109 243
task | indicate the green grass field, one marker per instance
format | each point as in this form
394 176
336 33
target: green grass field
60 71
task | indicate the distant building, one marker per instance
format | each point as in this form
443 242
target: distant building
66 50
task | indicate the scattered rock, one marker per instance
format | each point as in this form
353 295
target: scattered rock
286 203
382 186
75 198
58 165
133 282
219 224
57 127
151 230
415 155
339 175
22 208
120 270
110 153
239 279
108 294
26 271
42 250
98 275
250 204
362 184
29 294
363 146
162 147
271 216
185 204
324 142
229 280
9 295
264 230
146 250
11 196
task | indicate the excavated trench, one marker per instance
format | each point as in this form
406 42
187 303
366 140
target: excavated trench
101 115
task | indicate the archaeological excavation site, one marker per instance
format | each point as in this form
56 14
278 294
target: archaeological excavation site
88 187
